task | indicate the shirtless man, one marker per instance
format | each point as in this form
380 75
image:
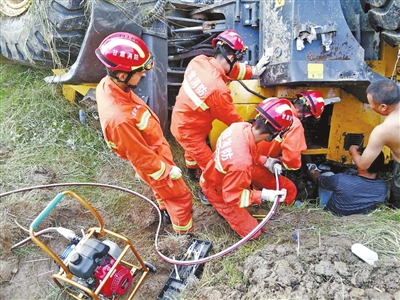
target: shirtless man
384 98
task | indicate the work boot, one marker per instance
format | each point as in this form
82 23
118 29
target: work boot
165 216
194 174
203 198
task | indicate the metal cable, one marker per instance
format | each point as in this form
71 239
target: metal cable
251 91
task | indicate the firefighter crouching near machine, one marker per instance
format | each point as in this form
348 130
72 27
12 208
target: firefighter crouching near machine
133 131
236 164
204 97
286 148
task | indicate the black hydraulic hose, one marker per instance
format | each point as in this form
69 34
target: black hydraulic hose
178 57
155 13
165 258
251 91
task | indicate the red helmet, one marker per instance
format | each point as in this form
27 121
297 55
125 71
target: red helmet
313 100
233 40
124 51
277 112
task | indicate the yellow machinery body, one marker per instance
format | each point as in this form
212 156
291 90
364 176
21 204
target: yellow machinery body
342 32
349 117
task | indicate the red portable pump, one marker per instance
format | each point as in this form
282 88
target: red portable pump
118 283
92 266
91 260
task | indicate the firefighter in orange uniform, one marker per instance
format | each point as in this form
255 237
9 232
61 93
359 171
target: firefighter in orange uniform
236 165
133 131
286 149
204 97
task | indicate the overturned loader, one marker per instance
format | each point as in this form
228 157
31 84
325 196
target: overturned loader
336 47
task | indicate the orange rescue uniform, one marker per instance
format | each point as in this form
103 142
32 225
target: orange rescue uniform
291 145
203 98
227 178
133 131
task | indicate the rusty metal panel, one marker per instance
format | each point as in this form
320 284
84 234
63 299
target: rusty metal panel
311 43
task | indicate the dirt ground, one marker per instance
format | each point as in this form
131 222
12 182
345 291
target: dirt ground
319 266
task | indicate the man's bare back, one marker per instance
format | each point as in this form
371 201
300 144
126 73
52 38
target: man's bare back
390 130
384 98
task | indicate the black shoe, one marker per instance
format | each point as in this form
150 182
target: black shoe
203 198
194 174
165 216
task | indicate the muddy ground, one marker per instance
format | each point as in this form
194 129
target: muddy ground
319 266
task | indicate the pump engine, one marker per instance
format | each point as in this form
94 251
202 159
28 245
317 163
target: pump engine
90 260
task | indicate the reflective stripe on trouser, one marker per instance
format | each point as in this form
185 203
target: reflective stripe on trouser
197 151
161 204
238 218
262 178
190 162
177 199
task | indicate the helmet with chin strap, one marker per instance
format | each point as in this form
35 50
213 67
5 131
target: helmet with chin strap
231 39
125 52
312 101
277 113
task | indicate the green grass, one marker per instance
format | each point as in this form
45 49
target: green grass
40 128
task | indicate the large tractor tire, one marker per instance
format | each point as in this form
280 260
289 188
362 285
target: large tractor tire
47 34
384 17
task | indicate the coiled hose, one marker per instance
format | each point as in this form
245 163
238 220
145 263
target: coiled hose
165 258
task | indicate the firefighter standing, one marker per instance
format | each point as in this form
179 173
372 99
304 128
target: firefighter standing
133 131
286 149
236 165
204 96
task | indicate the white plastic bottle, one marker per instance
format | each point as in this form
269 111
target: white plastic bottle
82 116
364 253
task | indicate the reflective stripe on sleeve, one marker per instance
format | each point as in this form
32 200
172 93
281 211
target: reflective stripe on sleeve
245 198
192 96
158 174
144 121
287 168
218 164
242 71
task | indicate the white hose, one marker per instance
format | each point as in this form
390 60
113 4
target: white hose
165 258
